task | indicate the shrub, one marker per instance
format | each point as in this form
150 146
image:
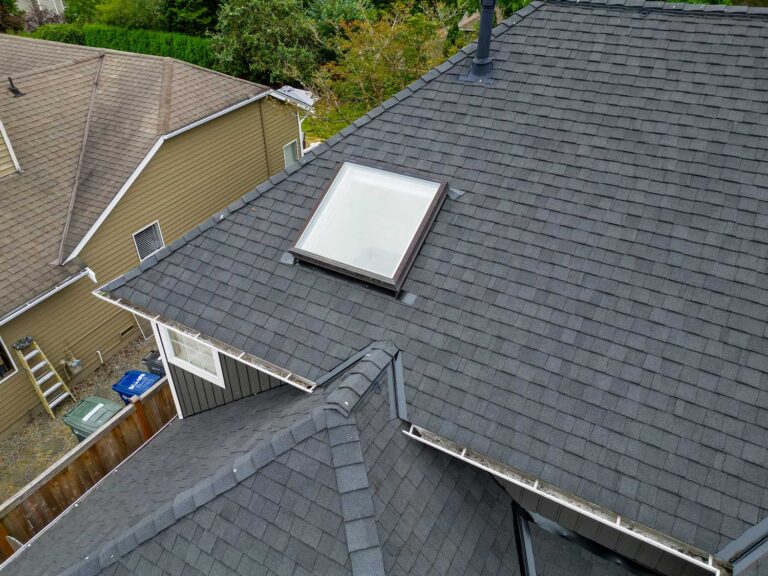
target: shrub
68 33
192 49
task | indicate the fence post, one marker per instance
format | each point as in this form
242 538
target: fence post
141 417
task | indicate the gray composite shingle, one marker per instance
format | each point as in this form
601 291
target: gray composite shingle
592 311
415 511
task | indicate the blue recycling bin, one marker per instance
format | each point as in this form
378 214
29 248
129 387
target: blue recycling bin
134 383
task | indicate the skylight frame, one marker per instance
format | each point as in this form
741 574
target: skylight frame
396 282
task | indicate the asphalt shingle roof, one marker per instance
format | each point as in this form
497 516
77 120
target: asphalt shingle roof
131 100
338 490
592 310
187 452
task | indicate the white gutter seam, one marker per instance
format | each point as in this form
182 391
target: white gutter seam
615 525
309 388
140 168
35 301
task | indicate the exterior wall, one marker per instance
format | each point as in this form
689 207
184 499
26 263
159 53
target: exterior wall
191 176
72 319
196 395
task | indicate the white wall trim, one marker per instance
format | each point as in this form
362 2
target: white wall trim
295 380
44 296
161 349
443 445
217 379
143 164
8 144
10 357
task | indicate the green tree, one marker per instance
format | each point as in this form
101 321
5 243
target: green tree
194 17
329 15
271 41
128 13
378 58
80 11
10 16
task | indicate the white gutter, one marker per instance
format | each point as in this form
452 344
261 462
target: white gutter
618 523
35 301
140 168
281 374
8 144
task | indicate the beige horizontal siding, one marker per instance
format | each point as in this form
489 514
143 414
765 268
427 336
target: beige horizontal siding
281 128
191 176
71 319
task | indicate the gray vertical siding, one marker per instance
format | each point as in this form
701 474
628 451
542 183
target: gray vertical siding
197 395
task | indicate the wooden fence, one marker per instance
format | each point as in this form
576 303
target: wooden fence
42 500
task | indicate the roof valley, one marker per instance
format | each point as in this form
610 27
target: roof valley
86 131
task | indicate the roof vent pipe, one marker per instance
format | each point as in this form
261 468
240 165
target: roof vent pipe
482 64
12 88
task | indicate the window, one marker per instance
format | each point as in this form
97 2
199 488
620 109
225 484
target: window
148 240
192 355
7 366
370 224
291 153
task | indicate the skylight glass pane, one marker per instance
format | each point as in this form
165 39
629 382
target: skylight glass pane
369 219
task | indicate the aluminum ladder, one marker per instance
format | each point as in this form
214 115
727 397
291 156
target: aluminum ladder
49 386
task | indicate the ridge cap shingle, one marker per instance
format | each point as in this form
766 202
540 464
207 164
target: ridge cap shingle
333 413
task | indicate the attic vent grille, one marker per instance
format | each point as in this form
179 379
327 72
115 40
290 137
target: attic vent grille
370 224
148 240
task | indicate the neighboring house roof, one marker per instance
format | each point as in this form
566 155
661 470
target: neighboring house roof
592 310
289 483
85 121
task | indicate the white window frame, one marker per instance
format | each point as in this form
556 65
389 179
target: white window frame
295 144
148 226
217 378
13 362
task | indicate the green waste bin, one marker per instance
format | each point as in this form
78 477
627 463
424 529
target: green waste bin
89 414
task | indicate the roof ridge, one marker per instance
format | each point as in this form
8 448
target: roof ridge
319 150
52 67
335 412
261 87
81 157
99 51
675 7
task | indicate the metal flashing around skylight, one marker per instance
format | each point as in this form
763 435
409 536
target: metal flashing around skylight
370 223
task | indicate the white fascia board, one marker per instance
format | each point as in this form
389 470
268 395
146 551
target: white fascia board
8 144
295 380
140 168
45 295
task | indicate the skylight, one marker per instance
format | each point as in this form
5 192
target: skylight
370 224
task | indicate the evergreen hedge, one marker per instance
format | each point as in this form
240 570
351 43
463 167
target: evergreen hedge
192 49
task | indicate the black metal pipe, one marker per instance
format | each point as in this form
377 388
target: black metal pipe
483 53
482 63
